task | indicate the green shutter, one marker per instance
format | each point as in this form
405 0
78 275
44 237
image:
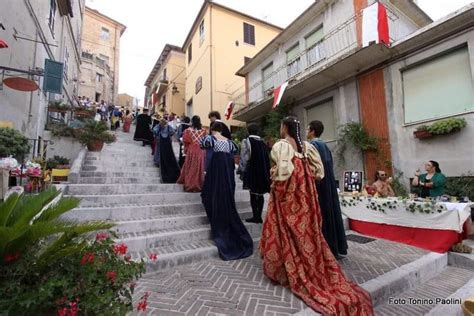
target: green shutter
53 76
439 87
292 53
314 37
267 77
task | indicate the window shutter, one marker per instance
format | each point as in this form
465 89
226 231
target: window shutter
249 34
292 53
324 112
314 37
53 76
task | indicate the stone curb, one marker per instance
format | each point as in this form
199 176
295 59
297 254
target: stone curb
399 280
75 172
463 293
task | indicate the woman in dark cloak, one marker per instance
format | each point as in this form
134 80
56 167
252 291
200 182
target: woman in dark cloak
185 124
164 154
232 239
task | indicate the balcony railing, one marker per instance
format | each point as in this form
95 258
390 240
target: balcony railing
338 42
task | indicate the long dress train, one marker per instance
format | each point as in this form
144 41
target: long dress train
295 253
232 239
169 168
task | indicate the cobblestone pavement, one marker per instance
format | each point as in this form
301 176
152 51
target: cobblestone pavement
218 287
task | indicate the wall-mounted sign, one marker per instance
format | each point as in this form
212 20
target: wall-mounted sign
353 180
198 84
53 76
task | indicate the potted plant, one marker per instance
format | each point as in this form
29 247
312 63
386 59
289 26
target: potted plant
94 135
448 126
84 112
13 143
422 132
355 134
58 106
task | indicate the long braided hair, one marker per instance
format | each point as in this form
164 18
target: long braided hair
293 125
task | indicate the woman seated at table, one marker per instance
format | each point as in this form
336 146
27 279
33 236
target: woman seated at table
432 182
382 184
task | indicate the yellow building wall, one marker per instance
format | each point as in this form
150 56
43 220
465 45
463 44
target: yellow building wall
200 66
227 58
176 73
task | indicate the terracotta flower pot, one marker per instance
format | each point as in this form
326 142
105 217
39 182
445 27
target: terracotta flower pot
422 134
95 145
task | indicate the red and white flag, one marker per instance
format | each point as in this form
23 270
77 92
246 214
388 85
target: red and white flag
229 109
278 94
375 25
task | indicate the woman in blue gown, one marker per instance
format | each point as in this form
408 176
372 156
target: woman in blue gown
164 154
228 232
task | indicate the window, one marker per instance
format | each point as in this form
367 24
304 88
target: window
198 85
323 112
246 60
163 101
98 77
201 32
104 58
52 15
314 46
267 74
190 53
164 76
439 87
293 61
249 34
104 34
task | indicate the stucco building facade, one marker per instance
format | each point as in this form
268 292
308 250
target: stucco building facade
166 83
100 57
219 42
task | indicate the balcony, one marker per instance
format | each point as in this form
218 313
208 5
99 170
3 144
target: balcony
336 57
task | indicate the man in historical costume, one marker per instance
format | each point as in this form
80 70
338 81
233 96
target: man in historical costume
254 170
333 226
215 116
143 132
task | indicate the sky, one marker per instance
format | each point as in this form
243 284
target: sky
153 23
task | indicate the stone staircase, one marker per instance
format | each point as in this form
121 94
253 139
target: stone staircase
122 185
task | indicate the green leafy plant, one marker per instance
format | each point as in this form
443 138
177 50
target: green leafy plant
13 143
354 134
239 135
447 126
56 161
61 130
272 121
95 131
422 128
60 105
397 184
461 186
51 266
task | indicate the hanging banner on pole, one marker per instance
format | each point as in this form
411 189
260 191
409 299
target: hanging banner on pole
278 94
229 109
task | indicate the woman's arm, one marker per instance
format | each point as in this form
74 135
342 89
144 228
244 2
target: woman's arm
416 180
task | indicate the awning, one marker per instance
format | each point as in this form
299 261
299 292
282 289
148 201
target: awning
3 44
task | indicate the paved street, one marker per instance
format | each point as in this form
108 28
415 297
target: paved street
239 287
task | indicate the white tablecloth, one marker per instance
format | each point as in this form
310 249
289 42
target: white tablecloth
451 217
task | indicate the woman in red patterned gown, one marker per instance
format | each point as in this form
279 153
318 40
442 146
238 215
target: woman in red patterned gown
192 173
295 253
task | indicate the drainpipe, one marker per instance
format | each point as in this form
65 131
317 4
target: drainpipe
210 54
30 108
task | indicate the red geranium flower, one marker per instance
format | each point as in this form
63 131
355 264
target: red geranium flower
10 258
142 305
87 258
111 275
120 249
153 256
62 311
101 237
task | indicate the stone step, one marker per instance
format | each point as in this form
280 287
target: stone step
151 198
105 189
452 306
120 180
123 164
440 286
115 167
121 174
139 241
167 222
174 256
141 211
